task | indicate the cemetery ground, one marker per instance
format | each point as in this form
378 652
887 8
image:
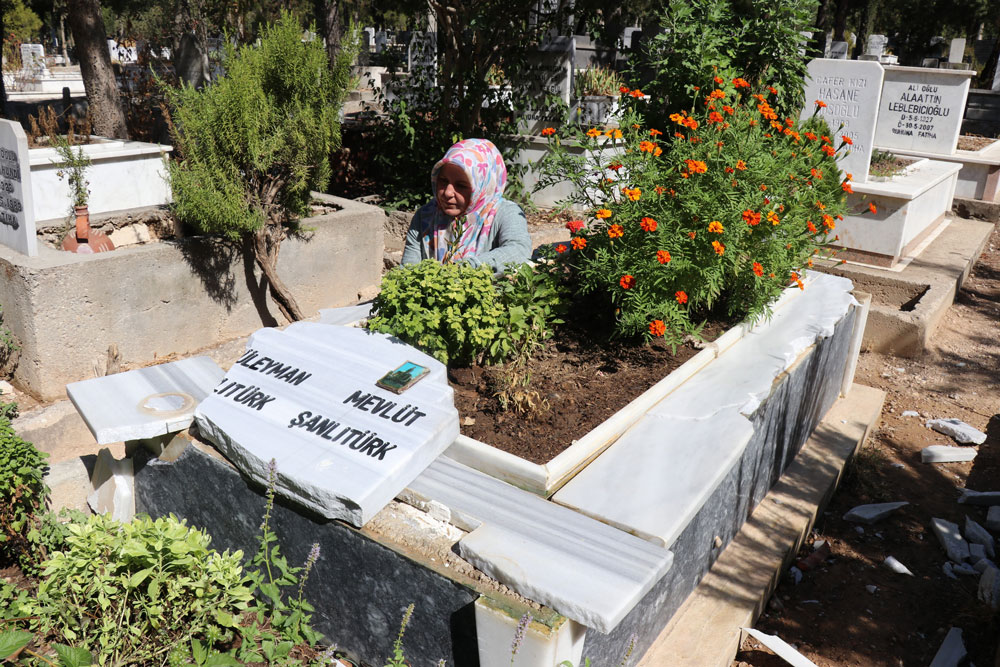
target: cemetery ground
830 616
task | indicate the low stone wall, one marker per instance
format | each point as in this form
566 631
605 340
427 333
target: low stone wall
174 297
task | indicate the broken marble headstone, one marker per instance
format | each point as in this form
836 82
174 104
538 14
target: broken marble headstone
962 433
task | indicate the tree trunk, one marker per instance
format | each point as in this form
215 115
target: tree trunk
328 23
266 244
989 72
840 20
87 26
62 38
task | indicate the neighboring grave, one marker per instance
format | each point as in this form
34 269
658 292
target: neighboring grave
921 109
33 59
850 89
876 44
838 50
550 81
307 397
421 57
956 50
17 211
381 39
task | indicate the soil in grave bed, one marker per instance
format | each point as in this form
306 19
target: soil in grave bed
577 383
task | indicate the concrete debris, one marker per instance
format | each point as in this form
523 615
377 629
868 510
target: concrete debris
979 535
814 559
993 519
6 388
859 530
897 465
962 433
869 514
946 454
896 566
989 587
948 571
796 574
780 648
964 568
952 650
950 539
983 498
871 588
910 413
976 552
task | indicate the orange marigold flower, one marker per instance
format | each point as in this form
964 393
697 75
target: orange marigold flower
694 140
825 139
729 110
718 80
684 174
816 173
763 187
646 146
602 214
716 227
752 218
627 281
681 297
846 187
574 226
662 256
871 207
848 176
691 235
678 135
615 166
758 269
636 93
548 131
716 94
773 218
775 125
741 165
578 243
657 152
657 328
772 90
655 133
696 166
623 90
715 117
659 189
828 150
648 225
811 137
633 194
729 170
847 140
753 123
593 132
691 123
677 118
718 247
561 248
811 226
820 104
740 83
616 231
828 221
820 205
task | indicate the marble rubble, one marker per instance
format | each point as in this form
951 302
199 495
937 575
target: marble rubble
985 498
869 514
893 564
951 540
962 433
976 534
946 454
993 519
781 648
952 650
989 587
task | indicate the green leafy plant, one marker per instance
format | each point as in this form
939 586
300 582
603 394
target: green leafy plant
256 142
598 81
723 208
131 592
73 168
886 165
23 494
397 659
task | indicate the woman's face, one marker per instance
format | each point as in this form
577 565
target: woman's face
454 190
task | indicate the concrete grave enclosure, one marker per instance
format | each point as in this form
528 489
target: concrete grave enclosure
613 552
173 297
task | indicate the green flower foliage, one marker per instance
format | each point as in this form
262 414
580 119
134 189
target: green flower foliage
131 592
456 313
255 142
722 209
23 494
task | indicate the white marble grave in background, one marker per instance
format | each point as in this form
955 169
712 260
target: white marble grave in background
17 210
145 402
921 109
851 91
306 397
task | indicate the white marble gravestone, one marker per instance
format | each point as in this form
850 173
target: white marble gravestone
17 210
956 50
921 109
838 50
550 76
851 90
421 57
875 46
306 397
33 59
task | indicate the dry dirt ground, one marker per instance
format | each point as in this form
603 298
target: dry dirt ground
830 616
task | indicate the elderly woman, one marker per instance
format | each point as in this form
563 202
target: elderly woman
469 220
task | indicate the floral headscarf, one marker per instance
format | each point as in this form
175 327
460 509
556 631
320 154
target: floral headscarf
446 238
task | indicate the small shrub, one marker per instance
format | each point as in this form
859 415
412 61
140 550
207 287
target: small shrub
722 209
132 592
597 81
23 494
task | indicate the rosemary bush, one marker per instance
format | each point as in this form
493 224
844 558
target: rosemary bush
23 495
722 209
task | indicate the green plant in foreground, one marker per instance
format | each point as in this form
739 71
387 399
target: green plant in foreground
397 659
73 168
23 494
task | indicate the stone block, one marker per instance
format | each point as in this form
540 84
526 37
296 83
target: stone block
993 519
976 534
962 433
869 514
946 454
951 539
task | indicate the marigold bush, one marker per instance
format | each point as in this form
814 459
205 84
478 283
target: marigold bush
722 210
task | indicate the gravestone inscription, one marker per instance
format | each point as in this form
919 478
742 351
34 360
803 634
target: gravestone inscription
850 89
921 109
549 75
17 210
33 59
310 398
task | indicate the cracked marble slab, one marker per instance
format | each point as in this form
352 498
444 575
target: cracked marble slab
145 402
586 570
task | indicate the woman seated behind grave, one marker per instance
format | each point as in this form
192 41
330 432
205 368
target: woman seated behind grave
469 220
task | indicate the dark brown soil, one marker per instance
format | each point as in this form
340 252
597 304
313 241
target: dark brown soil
973 142
575 384
886 164
830 616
